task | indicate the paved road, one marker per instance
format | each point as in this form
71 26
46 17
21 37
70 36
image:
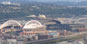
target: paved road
63 38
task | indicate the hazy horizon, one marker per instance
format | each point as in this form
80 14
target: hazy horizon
63 0
47 0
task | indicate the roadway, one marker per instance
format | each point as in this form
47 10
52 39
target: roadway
62 38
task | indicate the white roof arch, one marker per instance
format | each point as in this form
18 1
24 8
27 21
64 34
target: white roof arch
9 23
32 24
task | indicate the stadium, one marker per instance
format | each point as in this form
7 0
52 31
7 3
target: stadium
30 28
10 24
34 27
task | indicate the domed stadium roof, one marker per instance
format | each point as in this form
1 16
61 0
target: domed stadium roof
32 24
10 23
52 22
57 22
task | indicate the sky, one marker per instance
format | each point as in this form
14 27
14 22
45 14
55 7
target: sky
63 0
54 0
73 0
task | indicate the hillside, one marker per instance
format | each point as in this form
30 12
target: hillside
50 10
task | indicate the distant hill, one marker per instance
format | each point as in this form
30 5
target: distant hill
52 9
63 3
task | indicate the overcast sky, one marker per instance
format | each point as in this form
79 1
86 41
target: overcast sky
73 0
63 0
53 0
